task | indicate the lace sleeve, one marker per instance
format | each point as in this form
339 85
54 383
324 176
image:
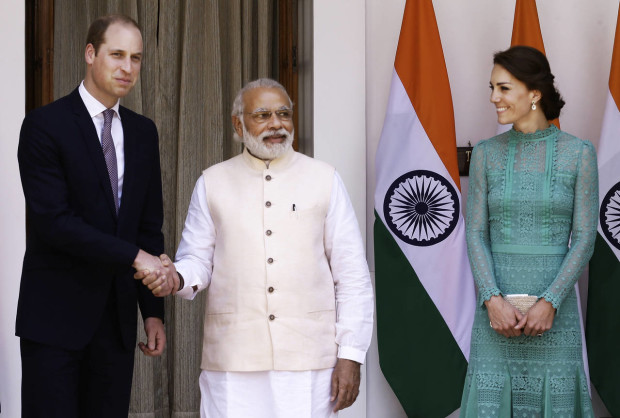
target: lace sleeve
477 223
585 218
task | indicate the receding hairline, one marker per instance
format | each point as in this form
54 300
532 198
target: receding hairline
98 28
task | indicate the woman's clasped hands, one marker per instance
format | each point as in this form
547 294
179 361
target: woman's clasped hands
508 321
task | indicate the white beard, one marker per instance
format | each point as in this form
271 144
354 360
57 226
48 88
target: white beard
267 151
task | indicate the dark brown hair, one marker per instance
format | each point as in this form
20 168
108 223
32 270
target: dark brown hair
530 66
97 29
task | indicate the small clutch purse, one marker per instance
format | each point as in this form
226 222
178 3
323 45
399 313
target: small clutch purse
521 301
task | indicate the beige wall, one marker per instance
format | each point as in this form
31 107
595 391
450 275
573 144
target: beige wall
339 110
12 236
339 94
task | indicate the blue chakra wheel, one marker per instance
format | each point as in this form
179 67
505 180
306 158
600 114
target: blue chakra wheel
610 215
421 208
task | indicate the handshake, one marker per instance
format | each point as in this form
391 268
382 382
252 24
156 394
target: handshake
158 274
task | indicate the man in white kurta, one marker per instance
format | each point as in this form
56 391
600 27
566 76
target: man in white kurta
272 237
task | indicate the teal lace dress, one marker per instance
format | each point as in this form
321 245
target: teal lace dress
529 195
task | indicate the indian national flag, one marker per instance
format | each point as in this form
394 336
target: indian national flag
425 290
526 31
603 318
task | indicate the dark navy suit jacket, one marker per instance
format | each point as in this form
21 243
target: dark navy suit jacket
79 252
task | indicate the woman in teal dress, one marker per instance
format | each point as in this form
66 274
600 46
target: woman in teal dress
531 226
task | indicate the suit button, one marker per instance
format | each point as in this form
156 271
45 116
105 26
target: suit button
270 260
268 232
268 204
270 289
268 177
272 317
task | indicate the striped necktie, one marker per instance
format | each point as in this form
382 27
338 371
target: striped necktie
109 152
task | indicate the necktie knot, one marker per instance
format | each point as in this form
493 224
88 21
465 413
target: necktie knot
108 114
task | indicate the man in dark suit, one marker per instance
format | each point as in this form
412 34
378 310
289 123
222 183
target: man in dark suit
91 178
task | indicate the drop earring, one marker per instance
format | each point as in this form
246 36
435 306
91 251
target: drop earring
533 105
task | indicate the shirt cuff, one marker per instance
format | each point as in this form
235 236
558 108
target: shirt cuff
351 353
188 291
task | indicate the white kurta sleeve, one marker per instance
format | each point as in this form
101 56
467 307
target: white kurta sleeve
354 295
194 258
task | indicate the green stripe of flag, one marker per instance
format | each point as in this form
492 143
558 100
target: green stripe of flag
418 354
603 325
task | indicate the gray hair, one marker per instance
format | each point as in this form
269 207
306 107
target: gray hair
237 108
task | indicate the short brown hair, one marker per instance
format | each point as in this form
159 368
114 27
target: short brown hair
97 29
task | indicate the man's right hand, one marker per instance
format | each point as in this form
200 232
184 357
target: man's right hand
158 274
146 261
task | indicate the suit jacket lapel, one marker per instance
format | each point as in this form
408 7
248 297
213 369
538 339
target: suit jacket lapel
91 140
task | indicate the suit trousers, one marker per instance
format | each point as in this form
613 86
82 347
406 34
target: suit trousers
92 382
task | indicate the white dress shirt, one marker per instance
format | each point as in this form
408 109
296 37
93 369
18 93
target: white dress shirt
95 110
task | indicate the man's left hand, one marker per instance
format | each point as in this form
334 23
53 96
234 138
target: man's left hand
155 337
345 383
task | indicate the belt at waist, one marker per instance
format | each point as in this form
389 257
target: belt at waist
529 249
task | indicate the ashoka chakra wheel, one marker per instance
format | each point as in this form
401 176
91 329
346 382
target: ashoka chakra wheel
421 208
610 215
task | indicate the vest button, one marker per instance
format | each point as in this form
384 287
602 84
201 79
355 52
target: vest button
270 260
270 289
268 204
272 317
268 232
268 177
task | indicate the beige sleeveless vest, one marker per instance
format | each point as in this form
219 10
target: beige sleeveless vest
271 301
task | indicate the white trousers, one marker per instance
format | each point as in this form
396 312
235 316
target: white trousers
266 394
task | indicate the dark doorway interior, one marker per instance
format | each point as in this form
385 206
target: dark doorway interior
39 53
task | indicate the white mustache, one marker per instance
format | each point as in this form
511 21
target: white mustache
278 132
